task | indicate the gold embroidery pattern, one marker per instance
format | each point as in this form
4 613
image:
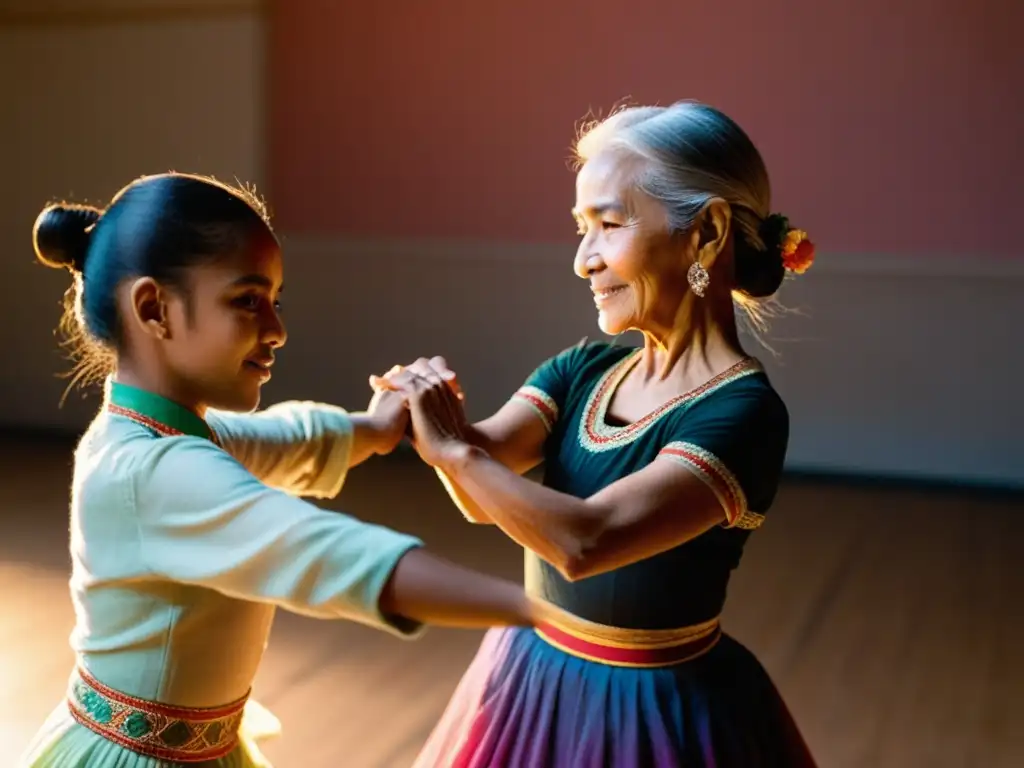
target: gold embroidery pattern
178 734
749 521
152 424
596 435
541 402
715 475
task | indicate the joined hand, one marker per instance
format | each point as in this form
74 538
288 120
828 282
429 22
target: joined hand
434 398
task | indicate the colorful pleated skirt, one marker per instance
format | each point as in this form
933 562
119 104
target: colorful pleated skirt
548 698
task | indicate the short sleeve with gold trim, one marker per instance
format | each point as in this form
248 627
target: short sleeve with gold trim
549 388
736 443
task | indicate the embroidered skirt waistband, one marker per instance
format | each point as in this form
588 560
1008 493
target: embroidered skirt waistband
179 734
623 647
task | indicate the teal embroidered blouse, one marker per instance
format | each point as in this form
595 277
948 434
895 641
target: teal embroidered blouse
731 432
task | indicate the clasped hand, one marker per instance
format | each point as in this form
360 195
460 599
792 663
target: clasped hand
430 391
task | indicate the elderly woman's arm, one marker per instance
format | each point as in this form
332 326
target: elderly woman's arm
701 477
514 437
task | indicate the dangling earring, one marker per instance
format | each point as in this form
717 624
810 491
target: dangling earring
698 278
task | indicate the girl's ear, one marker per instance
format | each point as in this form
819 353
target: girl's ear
149 307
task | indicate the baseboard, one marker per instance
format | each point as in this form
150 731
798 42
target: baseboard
795 473
912 482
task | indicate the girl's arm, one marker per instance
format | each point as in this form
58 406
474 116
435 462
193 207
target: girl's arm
205 520
307 448
432 590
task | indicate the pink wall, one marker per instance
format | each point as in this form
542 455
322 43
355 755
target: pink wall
887 127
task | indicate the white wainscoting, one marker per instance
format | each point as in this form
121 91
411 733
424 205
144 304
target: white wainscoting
905 368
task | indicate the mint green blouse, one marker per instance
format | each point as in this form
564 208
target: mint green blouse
182 549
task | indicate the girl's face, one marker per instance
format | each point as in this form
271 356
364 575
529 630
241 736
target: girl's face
636 268
226 328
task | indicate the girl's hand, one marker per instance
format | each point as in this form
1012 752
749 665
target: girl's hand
388 419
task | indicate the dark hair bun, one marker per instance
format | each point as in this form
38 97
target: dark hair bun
61 235
759 274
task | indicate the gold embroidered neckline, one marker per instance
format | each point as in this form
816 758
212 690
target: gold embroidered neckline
596 434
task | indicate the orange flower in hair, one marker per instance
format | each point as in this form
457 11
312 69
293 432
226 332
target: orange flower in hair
797 251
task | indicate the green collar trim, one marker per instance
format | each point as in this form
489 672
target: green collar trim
156 408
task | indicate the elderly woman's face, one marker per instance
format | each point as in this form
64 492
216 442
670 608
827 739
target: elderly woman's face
636 269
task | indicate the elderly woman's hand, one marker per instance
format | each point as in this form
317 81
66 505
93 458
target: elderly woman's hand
433 397
434 366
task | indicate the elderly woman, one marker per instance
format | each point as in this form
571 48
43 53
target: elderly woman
659 463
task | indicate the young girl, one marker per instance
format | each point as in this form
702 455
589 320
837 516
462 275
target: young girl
186 529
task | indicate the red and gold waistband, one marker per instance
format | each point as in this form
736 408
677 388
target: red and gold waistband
622 647
178 734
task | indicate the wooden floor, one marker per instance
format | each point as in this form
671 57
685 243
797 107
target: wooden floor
892 621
